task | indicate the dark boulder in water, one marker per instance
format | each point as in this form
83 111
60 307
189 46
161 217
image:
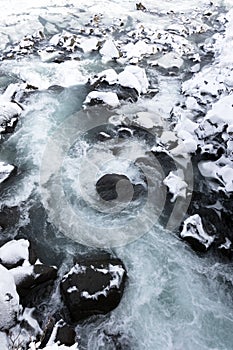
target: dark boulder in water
118 186
93 287
9 216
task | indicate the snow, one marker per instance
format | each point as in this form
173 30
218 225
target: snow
5 171
109 51
176 184
193 228
108 98
9 299
226 244
4 341
20 273
14 251
72 289
90 44
108 75
33 346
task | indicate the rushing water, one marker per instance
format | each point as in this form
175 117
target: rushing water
175 299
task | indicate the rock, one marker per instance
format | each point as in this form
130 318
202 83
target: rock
9 109
31 276
6 171
9 217
109 51
118 186
65 334
57 332
168 61
140 7
194 233
9 300
93 287
176 184
108 98
15 253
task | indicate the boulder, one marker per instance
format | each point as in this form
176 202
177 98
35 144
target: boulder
16 252
9 216
31 276
118 186
6 171
194 233
93 287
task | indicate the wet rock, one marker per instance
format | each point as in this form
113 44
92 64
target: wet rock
29 277
93 287
9 300
9 217
194 233
57 332
65 334
118 186
6 171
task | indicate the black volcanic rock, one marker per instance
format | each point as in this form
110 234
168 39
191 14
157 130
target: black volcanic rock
93 287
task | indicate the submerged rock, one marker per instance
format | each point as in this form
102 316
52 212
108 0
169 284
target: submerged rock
93 287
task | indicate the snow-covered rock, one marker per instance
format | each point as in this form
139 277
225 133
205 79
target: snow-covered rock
93 287
176 184
109 51
168 61
9 300
6 170
15 252
108 98
194 233
89 44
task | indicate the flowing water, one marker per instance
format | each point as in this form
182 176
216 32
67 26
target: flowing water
174 299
